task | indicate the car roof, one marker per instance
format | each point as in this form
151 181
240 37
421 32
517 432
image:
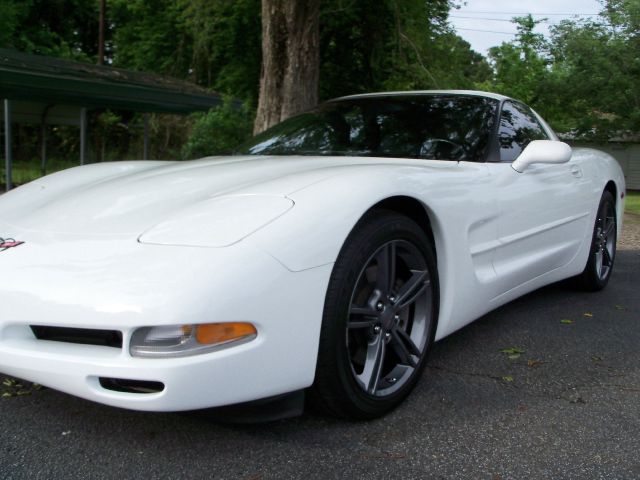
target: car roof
475 93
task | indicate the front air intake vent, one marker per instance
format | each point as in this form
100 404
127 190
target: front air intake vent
130 386
83 336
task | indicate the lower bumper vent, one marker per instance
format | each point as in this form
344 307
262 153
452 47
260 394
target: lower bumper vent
84 336
130 386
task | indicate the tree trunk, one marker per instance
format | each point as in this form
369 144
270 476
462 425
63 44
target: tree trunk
290 60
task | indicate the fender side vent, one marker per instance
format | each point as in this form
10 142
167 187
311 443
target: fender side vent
130 386
83 336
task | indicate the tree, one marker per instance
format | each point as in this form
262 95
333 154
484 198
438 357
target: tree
225 38
290 60
393 45
56 28
150 37
520 66
600 62
219 131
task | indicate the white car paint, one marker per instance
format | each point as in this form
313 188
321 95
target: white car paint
129 244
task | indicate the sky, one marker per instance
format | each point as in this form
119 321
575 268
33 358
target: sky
493 16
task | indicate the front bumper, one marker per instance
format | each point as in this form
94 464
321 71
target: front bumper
118 284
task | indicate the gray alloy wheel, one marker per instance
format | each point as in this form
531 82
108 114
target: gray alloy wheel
605 239
602 255
389 318
379 319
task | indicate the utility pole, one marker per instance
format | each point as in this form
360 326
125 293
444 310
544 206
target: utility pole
103 7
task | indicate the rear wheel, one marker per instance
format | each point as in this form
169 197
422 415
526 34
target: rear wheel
603 246
379 318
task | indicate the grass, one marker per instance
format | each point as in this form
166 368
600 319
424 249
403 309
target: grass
632 203
25 172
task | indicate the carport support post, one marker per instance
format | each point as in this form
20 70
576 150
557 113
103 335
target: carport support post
43 148
7 144
145 148
83 134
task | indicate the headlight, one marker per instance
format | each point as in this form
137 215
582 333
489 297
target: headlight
219 221
185 340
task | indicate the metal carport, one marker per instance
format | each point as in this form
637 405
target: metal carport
46 91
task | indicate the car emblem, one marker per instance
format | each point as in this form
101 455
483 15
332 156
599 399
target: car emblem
7 243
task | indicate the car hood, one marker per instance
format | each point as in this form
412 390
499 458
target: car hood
128 198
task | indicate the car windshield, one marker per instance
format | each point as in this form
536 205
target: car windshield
427 126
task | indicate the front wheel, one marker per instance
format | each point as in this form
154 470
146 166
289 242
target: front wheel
602 254
379 318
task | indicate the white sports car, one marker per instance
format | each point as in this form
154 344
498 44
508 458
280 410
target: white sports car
326 257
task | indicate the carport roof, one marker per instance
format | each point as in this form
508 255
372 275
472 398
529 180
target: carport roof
56 81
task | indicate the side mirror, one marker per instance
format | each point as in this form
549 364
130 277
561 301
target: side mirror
542 151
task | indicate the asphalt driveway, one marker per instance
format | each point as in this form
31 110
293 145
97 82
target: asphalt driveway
562 401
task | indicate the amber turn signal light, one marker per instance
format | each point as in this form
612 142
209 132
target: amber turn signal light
211 333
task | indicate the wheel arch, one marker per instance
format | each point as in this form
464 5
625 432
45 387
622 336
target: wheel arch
412 208
613 190
417 211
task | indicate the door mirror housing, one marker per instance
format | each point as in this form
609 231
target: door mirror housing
542 151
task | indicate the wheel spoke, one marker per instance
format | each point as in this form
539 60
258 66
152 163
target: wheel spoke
599 263
374 363
402 350
362 317
609 227
414 287
406 339
607 261
386 260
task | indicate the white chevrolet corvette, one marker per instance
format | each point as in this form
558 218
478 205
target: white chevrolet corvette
325 257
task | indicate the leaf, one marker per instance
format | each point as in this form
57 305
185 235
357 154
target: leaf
534 363
512 351
7 395
587 314
515 356
507 378
566 321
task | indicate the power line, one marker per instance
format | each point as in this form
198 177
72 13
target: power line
544 22
499 19
486 31
531 13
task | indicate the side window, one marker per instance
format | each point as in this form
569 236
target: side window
518 127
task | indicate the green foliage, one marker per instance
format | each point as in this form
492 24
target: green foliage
219 131
226 38
58 28
600 67
12 16
585 79
149 36
521 65
393 45
214 43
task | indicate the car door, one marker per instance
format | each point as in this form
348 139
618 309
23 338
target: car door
544 210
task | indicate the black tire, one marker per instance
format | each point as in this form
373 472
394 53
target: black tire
374 343
602 253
